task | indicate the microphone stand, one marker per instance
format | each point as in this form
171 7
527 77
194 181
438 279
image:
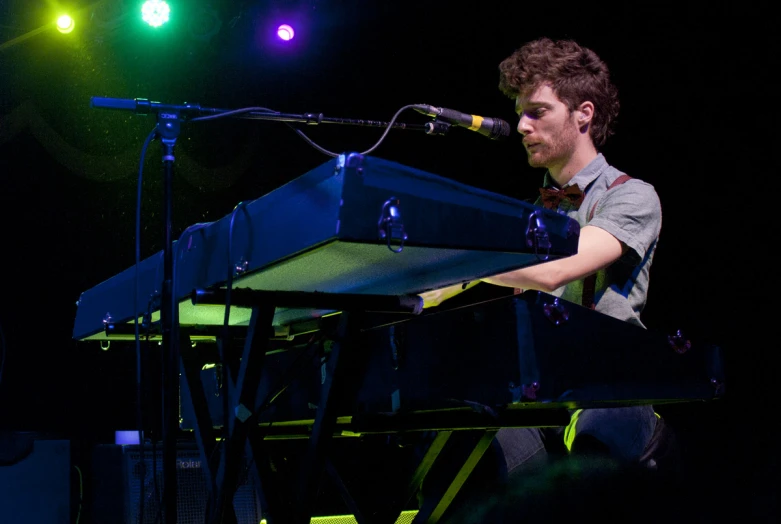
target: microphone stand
168 128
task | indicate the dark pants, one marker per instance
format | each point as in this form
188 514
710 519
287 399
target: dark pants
532 472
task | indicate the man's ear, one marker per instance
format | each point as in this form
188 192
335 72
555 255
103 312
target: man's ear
585 113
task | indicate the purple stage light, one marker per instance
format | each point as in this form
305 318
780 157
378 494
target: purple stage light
285 32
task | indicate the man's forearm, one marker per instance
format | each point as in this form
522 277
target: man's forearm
436 296
523 279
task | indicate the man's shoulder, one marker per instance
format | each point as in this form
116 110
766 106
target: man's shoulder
629 195
612 177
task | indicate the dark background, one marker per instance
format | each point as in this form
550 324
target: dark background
689 77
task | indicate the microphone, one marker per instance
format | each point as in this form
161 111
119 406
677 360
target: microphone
493 128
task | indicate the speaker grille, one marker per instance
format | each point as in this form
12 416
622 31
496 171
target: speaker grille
192 492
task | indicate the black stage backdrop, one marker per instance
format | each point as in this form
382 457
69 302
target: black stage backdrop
688 78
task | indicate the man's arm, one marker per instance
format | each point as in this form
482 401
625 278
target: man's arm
597 249
436 296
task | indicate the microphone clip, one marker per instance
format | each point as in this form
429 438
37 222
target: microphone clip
437 127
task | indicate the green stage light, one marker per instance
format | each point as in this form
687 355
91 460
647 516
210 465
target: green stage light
65 24
155 12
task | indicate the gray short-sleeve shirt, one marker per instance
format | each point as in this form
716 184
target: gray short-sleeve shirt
632 213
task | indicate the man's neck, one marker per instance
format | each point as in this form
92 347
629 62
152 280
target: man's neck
582 157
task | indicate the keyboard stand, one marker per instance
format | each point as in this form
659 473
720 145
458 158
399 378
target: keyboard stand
221 464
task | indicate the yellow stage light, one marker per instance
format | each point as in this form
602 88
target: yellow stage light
65 24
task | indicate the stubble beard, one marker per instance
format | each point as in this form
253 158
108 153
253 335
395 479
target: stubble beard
555 151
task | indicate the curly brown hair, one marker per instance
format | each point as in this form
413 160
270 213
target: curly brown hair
575 74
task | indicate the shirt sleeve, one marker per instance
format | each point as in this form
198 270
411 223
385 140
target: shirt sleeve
632 213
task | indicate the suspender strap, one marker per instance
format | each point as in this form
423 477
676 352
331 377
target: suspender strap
590 283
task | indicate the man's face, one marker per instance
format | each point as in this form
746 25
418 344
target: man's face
550 133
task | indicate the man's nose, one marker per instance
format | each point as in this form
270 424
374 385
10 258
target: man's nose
523 125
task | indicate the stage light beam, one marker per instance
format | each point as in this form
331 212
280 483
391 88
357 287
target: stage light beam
65 24
155 12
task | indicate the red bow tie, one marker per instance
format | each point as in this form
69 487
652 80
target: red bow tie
552 197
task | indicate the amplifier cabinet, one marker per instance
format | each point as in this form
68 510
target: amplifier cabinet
121 477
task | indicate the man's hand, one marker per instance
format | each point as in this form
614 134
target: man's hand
436 296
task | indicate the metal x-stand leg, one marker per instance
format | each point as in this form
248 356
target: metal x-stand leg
434 507
222 464
345 362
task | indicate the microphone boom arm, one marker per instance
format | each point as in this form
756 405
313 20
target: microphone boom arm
196 112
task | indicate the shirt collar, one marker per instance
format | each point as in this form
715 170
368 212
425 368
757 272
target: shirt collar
584 177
